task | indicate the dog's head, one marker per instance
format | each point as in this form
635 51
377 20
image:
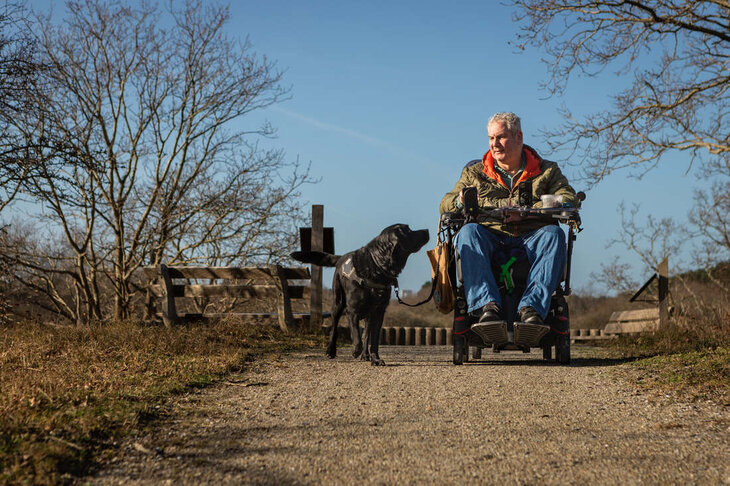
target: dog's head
392 247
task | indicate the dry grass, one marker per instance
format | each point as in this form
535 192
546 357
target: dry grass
692 355
68 393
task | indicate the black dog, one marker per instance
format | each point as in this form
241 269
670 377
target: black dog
362 284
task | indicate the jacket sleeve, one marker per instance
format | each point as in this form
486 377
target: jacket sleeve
558 184
450 200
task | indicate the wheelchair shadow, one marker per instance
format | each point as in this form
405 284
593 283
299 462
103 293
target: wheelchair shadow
574 362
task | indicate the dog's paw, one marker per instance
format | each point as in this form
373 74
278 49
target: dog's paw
377 362
331 353
357 352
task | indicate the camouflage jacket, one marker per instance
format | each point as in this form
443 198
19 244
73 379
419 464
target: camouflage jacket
538 178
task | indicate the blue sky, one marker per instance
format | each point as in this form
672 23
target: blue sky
390 100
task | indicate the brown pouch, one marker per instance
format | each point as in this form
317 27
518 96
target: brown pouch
443 294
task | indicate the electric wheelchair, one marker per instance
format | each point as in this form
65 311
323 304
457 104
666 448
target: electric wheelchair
510 270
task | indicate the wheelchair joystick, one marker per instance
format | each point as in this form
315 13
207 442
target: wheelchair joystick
471 204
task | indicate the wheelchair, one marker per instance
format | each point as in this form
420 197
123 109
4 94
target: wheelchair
511 271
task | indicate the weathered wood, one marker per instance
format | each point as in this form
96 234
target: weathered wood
631 327
228 273
641 320
315 296
169 312
274 282
232 291
663 273
589 335
635 315
286 320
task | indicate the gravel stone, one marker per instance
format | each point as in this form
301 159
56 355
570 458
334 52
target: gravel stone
510 418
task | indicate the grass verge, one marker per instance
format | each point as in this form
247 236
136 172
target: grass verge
695 374
690 360
69 394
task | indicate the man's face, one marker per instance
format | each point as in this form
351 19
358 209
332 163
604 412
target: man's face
506 147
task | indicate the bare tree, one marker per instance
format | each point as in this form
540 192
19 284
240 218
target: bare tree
677 57
155 159
651 239
710 222
18 78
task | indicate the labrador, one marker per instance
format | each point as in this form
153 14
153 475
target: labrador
362 283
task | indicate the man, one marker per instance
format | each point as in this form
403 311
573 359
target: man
510 174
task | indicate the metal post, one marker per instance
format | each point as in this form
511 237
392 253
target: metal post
315 304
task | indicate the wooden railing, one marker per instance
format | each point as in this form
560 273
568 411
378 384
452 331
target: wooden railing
168 283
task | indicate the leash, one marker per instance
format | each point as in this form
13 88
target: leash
433 281
430 295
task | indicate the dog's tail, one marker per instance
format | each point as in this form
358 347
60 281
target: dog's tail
316 257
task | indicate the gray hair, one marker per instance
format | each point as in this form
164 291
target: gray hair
511 121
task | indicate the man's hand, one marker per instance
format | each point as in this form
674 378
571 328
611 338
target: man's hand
461 195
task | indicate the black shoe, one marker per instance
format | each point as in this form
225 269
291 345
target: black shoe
491 312
530 328
528 315
491 328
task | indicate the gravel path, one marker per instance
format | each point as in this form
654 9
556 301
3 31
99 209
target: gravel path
509 419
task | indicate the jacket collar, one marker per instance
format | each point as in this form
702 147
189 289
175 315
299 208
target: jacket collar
532 166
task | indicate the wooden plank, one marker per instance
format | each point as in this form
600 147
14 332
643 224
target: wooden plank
663 272
315 296
634 315
634 326
228 273
295 315
169 313
286 321
232 291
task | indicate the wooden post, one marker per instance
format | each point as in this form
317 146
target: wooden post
315 304
149 306
286 319
169 312
662 271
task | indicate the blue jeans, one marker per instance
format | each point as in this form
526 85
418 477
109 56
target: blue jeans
545 248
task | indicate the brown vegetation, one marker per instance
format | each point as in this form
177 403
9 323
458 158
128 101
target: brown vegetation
69 393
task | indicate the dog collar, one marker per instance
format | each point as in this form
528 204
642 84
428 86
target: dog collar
348 270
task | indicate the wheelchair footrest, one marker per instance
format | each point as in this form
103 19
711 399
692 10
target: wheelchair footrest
492 332
529 334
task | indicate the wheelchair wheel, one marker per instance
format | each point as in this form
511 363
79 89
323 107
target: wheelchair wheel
547 352
562 350
461 348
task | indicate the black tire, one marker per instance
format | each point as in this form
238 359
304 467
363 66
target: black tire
459 346
562 350
547 352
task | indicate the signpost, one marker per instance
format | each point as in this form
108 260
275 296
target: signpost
317 238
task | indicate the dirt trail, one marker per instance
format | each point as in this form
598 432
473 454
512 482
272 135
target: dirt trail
510 419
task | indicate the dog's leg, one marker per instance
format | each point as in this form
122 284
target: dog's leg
375 324
338 307
357 346
365 342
